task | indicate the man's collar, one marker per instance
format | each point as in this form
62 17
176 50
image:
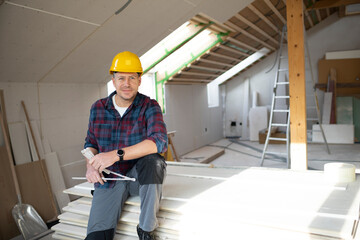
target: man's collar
109 103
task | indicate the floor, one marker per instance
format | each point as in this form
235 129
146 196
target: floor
248 153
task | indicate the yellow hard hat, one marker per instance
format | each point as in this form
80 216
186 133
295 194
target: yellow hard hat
126 62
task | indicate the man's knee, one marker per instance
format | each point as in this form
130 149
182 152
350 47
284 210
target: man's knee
101 235
151 169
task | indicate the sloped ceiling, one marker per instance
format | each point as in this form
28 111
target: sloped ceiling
75 40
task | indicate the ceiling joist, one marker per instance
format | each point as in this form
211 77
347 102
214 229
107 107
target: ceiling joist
237 28
277 13
262 16
233 50
256 28
224 56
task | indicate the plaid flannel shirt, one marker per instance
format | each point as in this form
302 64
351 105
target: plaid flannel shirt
109 131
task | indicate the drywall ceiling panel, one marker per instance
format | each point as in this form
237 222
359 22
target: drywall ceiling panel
32 43
221 10
141 23
91 11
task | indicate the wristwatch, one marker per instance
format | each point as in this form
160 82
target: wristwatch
121 154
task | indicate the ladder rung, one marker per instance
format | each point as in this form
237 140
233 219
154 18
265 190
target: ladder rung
277 139
282 97
279 124
281 110
284 57
282 83
283 153
283 70
312 119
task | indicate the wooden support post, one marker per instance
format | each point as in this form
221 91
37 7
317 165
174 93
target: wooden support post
298 143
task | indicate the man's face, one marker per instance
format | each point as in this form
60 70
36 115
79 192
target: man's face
126 85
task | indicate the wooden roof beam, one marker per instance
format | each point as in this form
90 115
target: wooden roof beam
190 80
237 28
224 56
308 17
198 74
233 50
256 28
207 68
233 40
331 3
262 16
277 13
215 62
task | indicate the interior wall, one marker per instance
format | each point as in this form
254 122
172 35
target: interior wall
188 114
61 112
333 34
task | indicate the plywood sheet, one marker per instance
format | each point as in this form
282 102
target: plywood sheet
34 190
347 70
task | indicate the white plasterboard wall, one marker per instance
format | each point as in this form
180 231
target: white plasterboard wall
188 114
61 111
332 29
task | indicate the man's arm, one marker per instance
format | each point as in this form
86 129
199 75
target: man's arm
93 175
104 160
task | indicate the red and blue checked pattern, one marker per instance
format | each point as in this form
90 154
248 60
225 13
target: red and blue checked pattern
108 131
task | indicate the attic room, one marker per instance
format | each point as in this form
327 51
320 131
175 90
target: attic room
211 66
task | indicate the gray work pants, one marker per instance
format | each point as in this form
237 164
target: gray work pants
107 204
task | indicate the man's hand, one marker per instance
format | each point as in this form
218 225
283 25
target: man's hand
103 160
93 175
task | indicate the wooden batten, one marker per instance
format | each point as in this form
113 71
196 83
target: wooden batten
277 13
198 74
224 56
262 16
216 62
297 87
233 50
247 46
256 28
230 24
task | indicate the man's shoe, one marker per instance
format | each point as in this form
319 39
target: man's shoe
143 235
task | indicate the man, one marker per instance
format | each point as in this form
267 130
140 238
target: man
126 134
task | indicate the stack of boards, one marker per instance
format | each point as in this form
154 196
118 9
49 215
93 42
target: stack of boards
204 202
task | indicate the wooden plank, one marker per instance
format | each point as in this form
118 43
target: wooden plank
256 28
8 199
56 179
331 3
332 88
237 28
297 89
233 40
277 13
205 154
19 143
262 16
